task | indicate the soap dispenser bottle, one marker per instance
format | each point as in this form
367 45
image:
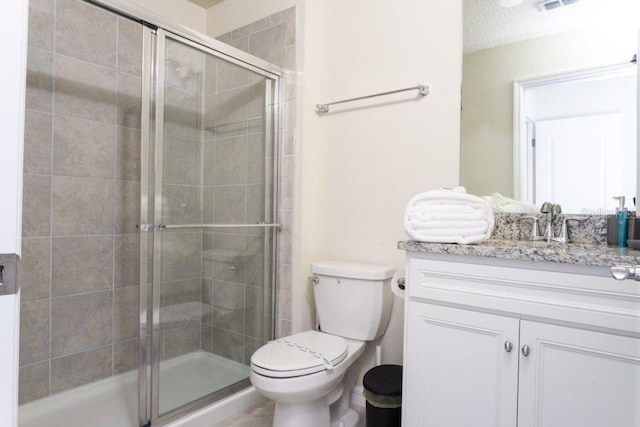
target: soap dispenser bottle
621 221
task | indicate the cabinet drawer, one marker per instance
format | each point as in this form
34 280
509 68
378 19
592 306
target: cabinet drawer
567 297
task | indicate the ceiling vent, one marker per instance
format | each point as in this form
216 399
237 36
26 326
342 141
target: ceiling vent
545 6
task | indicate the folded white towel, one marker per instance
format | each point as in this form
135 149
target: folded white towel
469 240
450 226
448 216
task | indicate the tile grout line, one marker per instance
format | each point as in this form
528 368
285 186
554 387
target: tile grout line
51 259
92 292
113 240
84 119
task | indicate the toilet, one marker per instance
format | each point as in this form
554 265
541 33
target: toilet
308 374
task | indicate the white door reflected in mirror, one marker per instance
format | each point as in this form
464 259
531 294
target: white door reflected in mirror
577 160
578 146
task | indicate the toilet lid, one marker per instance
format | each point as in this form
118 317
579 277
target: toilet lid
300 354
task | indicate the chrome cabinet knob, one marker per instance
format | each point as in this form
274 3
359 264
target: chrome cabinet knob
525 350
508 346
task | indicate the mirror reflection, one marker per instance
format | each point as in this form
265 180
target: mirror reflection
549 101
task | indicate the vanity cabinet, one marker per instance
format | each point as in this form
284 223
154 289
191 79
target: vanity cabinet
489 345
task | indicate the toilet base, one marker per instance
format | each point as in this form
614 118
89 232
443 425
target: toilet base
351 419
309 414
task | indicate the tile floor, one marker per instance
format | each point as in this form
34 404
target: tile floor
262 416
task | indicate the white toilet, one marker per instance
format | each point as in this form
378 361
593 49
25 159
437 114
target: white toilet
308 374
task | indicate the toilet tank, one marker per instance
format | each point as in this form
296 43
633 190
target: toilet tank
352 300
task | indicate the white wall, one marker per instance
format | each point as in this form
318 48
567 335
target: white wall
361 167
486 163
179 11
230 15
13 63
356 170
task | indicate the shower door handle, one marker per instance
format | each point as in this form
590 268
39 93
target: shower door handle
179 226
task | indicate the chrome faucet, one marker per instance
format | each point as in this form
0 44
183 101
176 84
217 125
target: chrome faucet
551 211
547 209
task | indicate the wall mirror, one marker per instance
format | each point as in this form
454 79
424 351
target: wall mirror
549 101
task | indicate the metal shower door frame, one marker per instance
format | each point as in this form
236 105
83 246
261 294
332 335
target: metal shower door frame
153 99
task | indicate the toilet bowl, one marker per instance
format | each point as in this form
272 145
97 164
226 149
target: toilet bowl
305 399
308 374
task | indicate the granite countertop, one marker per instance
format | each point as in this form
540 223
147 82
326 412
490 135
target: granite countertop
598 255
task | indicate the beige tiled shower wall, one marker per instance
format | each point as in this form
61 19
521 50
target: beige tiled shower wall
81 194
273 39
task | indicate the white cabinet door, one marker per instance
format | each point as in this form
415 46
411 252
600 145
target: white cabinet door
457 370
573 377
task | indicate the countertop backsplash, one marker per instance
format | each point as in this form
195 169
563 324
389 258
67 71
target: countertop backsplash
512 226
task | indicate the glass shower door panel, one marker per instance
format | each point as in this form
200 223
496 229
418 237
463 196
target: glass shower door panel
214 168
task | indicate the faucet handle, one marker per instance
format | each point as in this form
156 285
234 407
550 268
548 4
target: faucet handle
556 209
546 207
535 234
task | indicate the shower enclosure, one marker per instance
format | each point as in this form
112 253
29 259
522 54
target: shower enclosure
207 228
160 193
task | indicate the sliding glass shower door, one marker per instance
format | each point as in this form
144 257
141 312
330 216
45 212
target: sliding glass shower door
209 236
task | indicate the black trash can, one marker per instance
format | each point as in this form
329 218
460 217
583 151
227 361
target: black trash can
383 392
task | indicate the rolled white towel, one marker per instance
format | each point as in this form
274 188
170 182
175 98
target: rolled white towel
468 240
426 212
451 227
448 216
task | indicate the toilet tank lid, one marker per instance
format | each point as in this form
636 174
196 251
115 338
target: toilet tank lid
353 270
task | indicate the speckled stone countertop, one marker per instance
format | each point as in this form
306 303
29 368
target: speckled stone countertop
575 254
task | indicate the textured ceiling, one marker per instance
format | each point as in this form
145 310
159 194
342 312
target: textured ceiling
486 24
206 3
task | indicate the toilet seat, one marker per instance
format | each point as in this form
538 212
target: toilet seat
300 354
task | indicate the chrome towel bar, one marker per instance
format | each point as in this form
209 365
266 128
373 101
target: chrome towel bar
324 108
